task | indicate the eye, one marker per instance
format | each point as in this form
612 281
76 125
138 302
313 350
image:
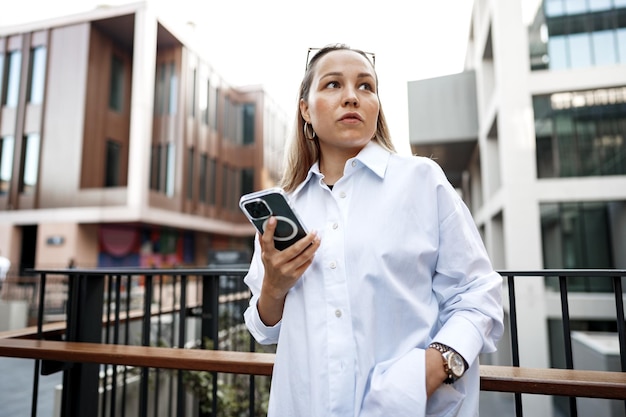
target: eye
366 86
332 84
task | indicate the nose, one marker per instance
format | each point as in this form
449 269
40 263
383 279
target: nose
351 98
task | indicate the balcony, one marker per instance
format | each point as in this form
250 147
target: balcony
171 342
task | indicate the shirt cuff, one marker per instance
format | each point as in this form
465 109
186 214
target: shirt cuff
460 334
263 334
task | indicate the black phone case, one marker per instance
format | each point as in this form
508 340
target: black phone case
289 228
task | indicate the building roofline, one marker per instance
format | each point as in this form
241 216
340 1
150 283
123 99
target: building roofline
98 13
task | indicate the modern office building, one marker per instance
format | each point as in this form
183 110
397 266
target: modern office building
121 146
533 133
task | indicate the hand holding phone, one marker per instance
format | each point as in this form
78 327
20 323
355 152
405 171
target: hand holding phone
261 205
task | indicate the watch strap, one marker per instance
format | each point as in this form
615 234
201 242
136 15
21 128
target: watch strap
443 349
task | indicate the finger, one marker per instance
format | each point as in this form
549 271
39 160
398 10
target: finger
267 239
299 247
305 257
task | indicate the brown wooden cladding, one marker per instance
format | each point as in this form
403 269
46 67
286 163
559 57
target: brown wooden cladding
101 122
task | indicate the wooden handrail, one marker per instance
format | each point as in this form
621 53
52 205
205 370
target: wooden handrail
563 382
249 363
58 328
551 381
49 330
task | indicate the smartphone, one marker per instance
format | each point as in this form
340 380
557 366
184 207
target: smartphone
261 205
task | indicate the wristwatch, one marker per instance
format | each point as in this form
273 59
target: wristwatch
453 363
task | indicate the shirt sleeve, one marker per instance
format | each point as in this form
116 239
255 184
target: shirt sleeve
263 334
467 287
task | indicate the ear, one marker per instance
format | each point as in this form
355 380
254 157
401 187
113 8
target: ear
304 111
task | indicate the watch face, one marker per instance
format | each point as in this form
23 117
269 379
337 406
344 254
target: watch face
456 364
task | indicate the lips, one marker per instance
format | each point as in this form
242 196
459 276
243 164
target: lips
352 116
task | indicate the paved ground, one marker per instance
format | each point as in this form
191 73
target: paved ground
16 389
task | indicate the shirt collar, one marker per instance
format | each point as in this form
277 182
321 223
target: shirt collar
373 156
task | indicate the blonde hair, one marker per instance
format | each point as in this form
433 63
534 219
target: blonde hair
302 152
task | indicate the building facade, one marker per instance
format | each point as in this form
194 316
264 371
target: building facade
121 146
533 133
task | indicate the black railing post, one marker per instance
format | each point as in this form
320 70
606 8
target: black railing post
40 313
182 336
145 341
84 319
621 333
514 340
210 323
567 336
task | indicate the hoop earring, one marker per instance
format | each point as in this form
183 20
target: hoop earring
307 132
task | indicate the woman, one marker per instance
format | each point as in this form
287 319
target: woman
394 294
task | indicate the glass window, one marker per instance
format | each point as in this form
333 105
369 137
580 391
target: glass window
173 90
159 90
226 185
203 178
579 50
192 92
212 179
190 173
577 235
557 49
248 123
619 3
116 87
170 169
37 75
155 167
554 8
6 163
247 180
13 79
204 101
1 72
604 50
575 6
112 167
581 133
31 164
621 44
597 5
215 92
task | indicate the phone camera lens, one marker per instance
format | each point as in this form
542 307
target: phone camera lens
258 210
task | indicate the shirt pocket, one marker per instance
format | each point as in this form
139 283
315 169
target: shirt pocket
446 401
397 387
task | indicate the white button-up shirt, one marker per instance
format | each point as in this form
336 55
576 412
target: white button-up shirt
400 265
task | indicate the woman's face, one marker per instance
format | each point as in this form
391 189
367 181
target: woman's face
343 102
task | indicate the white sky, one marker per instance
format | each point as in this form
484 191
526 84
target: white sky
265 42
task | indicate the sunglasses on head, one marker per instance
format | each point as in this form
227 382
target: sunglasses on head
309 56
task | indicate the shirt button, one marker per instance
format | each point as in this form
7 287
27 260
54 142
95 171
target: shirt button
333 265
342 194
335 225
353 163
338 313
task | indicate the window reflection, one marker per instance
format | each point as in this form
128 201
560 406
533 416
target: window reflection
581 133
116 85
31 164
604 51
578 34
7 144
579 50
37 75
13 80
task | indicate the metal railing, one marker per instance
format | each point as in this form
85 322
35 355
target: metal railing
203 308
563 275
176 308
